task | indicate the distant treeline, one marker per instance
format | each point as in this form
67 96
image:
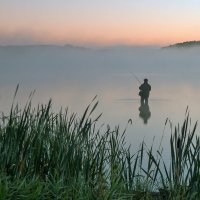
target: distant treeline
185 44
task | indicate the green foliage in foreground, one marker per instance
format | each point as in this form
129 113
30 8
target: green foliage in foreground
61 156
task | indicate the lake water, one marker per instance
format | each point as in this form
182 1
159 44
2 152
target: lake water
72 76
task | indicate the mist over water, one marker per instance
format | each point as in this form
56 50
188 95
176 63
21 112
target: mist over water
72 76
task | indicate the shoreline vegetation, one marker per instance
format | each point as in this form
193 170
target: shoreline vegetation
187 44
46 155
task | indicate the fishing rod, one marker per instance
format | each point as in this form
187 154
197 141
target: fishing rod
135 77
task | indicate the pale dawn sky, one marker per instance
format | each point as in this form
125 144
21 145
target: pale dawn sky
101 22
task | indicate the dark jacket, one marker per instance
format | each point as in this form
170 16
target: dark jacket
145 88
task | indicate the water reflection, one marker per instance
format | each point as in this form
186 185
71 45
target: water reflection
145 113
76 75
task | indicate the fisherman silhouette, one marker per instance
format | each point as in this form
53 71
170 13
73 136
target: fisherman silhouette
145 88
145 113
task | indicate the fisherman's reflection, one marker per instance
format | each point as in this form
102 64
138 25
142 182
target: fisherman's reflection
145 113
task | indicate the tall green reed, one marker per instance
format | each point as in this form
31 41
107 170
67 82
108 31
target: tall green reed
73 154
36 142
180 178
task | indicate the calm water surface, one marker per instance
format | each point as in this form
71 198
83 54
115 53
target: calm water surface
73 76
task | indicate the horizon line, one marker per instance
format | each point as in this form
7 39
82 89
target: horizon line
93 45
83 45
